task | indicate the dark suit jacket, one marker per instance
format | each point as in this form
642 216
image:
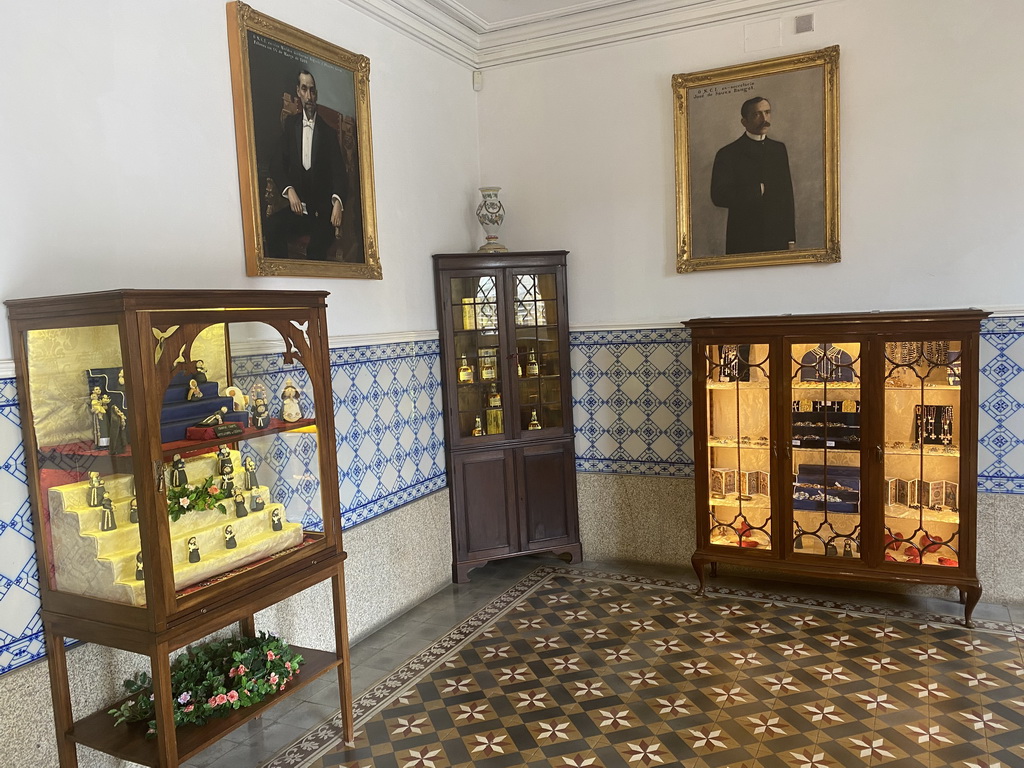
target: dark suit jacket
757 222
326 176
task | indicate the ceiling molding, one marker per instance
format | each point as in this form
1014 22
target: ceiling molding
448 27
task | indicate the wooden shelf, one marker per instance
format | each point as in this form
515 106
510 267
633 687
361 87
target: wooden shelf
128 741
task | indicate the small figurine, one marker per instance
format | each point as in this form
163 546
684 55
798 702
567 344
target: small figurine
260 413
199 377
108 523
229 537
238 397
250 482
178 476
275 520
97 491
117 429
290 409
138 567
217 417
227 481
240 510
193 550
100 426
256 503
194 392
224 465
133 511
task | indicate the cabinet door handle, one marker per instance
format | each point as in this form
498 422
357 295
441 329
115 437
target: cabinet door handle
879 456
158 473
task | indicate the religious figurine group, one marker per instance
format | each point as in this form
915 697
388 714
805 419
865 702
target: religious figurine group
109 420
98 498
226 470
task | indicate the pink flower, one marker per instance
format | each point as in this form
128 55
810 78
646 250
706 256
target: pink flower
212 701
288 665
221 699
270 656
183 501
214 489
233 672
190 707
232 696
282 686
247 693
273 678
241 669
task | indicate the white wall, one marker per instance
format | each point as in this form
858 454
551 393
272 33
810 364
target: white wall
118 156
932 189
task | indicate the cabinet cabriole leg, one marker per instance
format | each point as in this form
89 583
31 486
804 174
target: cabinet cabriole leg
973 596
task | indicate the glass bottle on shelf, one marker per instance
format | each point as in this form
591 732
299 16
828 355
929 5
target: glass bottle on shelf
465 372
494 397
532 368
534 422
488 369
478 427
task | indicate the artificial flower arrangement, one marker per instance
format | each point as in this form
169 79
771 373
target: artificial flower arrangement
185 498
214 679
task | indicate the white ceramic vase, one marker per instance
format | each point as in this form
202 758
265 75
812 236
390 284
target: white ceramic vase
491 213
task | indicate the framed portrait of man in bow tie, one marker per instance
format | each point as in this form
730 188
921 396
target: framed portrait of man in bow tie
757 163
305 161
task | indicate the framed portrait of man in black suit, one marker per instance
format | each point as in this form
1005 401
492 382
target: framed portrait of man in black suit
305 160
757 163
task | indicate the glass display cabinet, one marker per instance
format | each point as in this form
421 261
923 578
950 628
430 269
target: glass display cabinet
839 446
507 405
182 469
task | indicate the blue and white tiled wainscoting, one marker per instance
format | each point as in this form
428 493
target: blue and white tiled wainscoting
634 448
387 411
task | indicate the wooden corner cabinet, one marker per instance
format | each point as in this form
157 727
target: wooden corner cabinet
507 406
839 446
182 470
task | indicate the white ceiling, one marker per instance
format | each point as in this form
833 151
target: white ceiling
487 33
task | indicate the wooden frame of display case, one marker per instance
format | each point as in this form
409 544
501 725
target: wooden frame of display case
513 485
826 441
170 619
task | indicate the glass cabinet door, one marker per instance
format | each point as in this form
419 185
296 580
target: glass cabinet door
923 410
239 430
86 482
537 351
476 325
739 448
825 386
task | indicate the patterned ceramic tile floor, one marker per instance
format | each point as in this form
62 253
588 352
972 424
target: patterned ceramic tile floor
596 670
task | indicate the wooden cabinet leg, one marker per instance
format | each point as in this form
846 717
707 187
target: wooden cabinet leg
699 564
341 640
63 718
166 740
247 626
973 596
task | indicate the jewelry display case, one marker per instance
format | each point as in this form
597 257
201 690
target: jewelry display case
182 469
507 405
839 446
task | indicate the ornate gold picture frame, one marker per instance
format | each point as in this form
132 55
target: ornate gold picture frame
757 163
307 187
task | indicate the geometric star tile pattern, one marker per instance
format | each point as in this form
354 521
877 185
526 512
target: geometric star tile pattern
572 668
630 401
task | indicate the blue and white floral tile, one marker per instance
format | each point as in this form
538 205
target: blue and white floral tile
630 401
1001 413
